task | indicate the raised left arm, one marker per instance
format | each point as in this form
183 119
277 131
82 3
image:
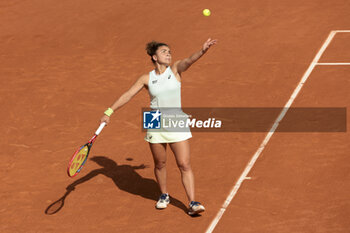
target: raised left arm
183 65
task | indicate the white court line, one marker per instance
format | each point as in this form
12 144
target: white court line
333 64
271 132
341 31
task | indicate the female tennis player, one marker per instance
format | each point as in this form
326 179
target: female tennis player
164 87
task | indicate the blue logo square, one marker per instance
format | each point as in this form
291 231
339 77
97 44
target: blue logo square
151 120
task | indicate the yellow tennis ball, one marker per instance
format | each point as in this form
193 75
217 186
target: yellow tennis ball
206 12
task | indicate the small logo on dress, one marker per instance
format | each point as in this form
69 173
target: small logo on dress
154 81
169 76
151 120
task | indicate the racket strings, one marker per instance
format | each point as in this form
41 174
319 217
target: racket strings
78 160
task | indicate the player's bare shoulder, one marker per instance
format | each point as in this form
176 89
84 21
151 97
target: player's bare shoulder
176 71
144 79
174 67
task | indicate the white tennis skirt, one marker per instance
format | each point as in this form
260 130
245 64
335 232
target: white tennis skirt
167 137
170 133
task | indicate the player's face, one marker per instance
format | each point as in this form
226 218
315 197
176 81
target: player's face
163 55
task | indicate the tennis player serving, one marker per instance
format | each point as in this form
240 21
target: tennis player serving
164 87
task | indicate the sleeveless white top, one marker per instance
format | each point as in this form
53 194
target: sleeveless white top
165 94
164 90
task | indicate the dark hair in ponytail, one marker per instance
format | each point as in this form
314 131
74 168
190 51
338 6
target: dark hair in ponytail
152 47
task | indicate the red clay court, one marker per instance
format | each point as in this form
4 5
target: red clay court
62 63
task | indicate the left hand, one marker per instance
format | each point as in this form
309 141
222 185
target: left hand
208 44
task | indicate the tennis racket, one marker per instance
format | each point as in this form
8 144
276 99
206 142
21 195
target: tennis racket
80 156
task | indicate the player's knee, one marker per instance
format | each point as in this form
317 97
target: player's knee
160 164
184 166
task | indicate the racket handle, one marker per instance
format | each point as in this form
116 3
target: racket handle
98 131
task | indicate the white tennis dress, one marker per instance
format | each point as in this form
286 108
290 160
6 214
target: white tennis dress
165 93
